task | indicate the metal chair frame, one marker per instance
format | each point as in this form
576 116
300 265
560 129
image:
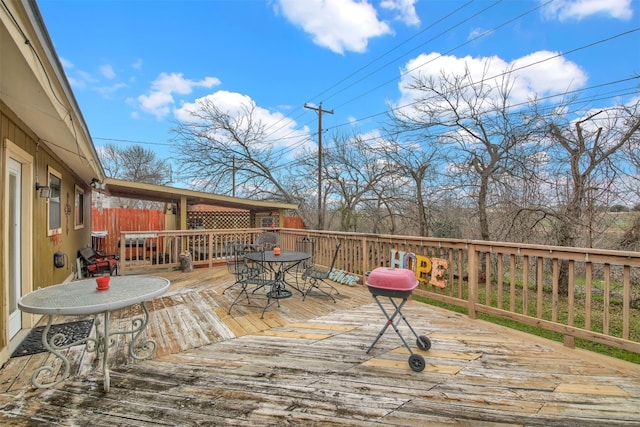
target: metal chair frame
268 240
246 274
317 277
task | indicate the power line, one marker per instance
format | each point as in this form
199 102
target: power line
447 30
550 108
130 141
396 47
473 39
370 63
303 140
484 79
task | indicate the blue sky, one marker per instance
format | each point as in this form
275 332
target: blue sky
137 66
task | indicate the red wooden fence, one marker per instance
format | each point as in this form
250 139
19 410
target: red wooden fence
115 220
293 222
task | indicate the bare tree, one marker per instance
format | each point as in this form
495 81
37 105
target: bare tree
483 135
353 170
217 148
137 164
416 163
588 153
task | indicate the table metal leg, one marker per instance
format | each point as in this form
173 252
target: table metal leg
105 340
287 270
106 343
100 344
146 347
52 345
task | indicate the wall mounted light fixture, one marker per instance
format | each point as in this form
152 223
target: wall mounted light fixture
45 191
97 185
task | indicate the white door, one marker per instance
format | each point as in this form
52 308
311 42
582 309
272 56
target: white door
14 218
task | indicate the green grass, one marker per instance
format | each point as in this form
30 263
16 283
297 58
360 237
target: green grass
580 343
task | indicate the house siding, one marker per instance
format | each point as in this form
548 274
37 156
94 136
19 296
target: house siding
13 130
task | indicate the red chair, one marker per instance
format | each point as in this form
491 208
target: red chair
95 262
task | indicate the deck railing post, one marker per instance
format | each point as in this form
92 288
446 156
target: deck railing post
365 258
472 256
123 261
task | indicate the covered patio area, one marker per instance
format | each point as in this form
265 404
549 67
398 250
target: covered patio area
306 364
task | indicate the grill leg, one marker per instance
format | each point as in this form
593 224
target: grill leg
405 320
391 321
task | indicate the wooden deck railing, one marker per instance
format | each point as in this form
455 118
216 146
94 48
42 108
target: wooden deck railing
512 281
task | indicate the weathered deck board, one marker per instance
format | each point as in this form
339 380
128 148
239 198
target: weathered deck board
305 363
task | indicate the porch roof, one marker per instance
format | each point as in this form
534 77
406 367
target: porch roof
34 86
161 193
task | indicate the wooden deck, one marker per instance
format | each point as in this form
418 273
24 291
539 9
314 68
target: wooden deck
306 364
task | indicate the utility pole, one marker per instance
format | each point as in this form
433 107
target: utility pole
233 176
319 110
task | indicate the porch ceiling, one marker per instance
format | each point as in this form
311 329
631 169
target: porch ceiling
161 193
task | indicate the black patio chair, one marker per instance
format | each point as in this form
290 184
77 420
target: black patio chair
268 240
315 278
247 274
306 245
96 262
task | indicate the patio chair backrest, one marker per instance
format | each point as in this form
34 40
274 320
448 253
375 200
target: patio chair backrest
237 264
87 254
94 262
268 240
335 256
235 261
319 272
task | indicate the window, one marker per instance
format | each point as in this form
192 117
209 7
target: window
268 222
79 208
54 224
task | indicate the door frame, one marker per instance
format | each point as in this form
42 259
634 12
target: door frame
16 153
14 266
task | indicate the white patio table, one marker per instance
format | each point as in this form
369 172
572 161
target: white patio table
82 298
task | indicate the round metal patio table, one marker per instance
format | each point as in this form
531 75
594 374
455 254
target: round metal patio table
278 265
83 298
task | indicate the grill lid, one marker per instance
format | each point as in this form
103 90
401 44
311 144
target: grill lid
399 279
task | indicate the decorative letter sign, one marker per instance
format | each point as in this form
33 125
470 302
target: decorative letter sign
437 272
422 266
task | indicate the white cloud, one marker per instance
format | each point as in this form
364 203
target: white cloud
106 91
65 63
405 8
137 65
551 74
340 25
107 71
478 32
282 131
580 9
81 80
160 98
176 83
156 103
540 73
